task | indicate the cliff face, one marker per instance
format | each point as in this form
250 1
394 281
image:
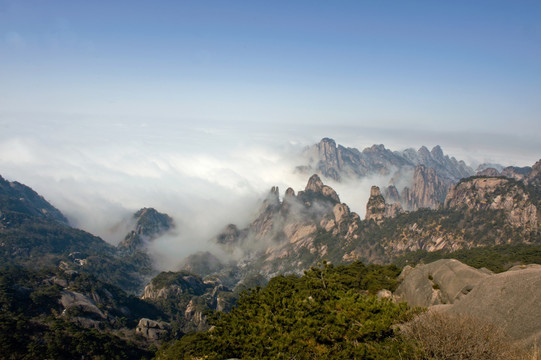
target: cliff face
495 193
428 190
376 208
185 295
150 224
429 173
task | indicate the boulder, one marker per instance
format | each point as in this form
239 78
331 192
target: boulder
441 282
511 299
152 330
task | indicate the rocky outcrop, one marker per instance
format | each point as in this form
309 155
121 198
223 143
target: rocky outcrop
430 173
376 208
441 282
174 284
428 190
188 296
488 172
534 177
316 186
153 330
511 300
150 224
517 173
75 300
495 193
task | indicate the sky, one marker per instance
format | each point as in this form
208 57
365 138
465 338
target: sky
198 107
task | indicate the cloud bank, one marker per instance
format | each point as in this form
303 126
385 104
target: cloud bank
205 175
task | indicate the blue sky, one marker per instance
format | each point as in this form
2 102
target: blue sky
460 65
108 104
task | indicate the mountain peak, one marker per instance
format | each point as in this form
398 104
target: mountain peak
314 183
150 224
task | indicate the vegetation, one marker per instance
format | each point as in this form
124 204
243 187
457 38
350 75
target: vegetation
452 337
495 258
33 324
330 312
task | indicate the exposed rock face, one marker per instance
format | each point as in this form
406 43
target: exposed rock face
428 190
187 295
315 185
511 300
150 224
488 172
441 282
534 177
70 299
517 173
153 330
495 194
429 184
376 208
174 285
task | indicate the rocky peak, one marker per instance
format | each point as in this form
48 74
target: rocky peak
495 193
437 154
315 185
517 173
488 172
427 190
377 209
150 224
534 178
290 192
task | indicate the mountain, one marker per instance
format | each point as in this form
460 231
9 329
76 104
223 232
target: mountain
64 314
418 178
36 235
186 298
18 201
149 225
291 234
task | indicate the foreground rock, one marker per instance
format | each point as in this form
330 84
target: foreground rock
441 282
510 299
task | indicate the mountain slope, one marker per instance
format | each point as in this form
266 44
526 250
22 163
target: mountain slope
420 178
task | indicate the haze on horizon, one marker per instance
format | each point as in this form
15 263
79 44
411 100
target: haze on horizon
198 108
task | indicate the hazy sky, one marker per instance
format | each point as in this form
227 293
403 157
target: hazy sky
132 98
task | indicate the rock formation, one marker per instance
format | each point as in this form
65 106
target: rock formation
150 224
428 190
153 330
376 208
509 299
441 282
429 173
496 193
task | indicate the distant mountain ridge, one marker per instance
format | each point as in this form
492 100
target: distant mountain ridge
418 178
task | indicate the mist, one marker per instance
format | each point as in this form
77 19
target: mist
203 174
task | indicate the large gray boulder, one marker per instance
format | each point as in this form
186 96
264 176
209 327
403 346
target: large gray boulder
441 282
511 300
